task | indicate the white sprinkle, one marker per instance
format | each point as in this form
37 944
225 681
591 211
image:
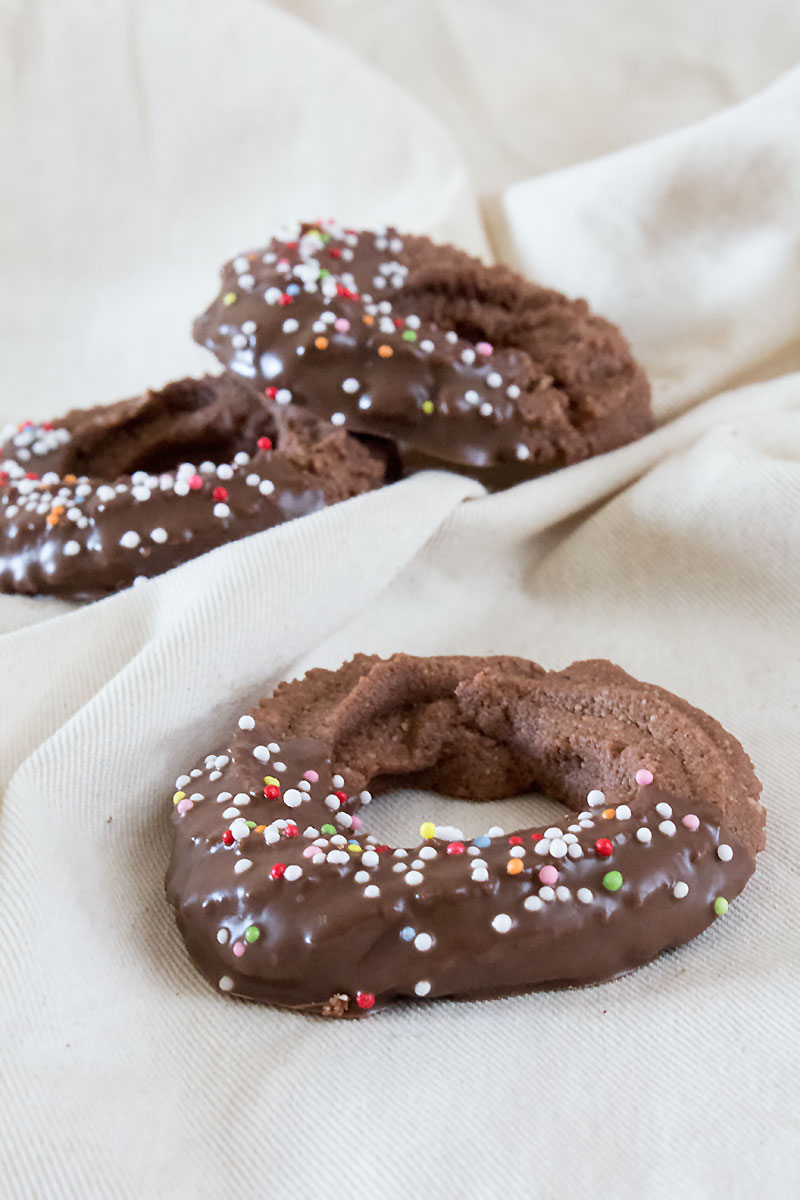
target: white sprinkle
422 988
272 295
584 895
230 813
664 810
558 848
426 345
158 534
350 385
361 876
680 890
225 984
223 796
501 923
240 829
494 380
248 327
292 798
105 493
338 782
140 493
338 856
246 281
668 828
71 548
563 893
480 876
595 798
332 802
181 781
215 775
273 747
241 264
522 452
517 852
241 798
398 868
471 397
130 540
279 766
512 391
533 903
643 835
221 761
468 356
292 873
222 936
423 941
585 824
290 325
271 835
575 851
623 813
304 786
486 409
546 893
495 831
225 471
365 402
266 487
181 488
221 511
542 846
338 418
370 859
284 396
724 853
430 852
261 753
242 865
246 722
553 832
344 819
569 838
372 891
413 878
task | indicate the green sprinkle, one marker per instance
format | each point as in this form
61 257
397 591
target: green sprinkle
329 829
326 237
229 298
720 906
252 934
250 824
324 273
427 406
409 335
612 881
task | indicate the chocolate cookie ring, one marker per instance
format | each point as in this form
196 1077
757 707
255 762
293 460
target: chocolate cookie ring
104 496
458 364
283 896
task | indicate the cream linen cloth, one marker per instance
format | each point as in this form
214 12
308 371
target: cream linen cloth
148 141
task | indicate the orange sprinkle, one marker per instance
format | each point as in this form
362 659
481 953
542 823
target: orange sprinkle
514 866
368 320
52 519
70 479
385 351
321 343
259 829
609 813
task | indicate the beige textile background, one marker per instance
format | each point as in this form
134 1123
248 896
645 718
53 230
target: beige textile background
143 142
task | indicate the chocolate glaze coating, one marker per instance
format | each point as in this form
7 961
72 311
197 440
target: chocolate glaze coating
458 364
287 899
103 496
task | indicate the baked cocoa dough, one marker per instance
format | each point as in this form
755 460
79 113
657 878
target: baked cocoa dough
283 896
96 499
459 365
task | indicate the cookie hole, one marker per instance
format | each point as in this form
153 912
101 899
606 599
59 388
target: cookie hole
396 815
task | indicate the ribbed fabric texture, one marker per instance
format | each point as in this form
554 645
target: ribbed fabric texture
122 1074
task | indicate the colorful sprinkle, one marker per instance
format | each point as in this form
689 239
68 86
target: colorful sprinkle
720 906
612 881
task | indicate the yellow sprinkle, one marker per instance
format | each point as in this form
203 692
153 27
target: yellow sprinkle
427 829
427 406
176 799
354 847
271 780
229 298
514 866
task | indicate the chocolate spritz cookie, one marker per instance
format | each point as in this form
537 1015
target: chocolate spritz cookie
459 365
283 896
103 496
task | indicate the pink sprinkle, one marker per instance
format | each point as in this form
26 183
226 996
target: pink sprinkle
184 805
484 347
548 875
342 324
238 949
311 776
644 777
310 851
195 482
358 823
691 821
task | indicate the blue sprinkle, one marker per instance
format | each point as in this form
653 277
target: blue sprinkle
408 934
482 841
293 289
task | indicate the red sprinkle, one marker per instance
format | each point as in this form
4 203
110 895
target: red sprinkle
536 837
341 796
399 322
195 482
278 870
272 791
220 493
290 831
270 392
341 290
515 840
604 847
227 837
335 252
455 848
265 443
31 475
380 849
365 999
284 300
291 245
24 425
48 425
3 478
